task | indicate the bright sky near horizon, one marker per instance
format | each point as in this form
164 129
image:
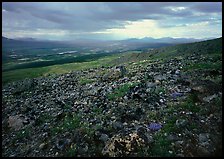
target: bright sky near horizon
111 20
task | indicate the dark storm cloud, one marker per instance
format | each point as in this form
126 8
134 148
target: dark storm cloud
208 7
98 16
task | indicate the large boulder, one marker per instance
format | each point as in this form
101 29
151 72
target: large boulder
125 144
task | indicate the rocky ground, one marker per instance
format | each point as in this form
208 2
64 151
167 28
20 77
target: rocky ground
149 108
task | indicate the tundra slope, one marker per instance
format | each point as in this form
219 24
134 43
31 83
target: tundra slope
107 111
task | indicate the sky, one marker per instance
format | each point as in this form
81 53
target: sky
111 20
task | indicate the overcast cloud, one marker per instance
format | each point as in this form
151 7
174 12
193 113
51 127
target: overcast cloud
111 20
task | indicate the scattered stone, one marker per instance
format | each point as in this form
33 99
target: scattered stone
160 77
203 137
179 155
15 122
61 144
181 123
150 85
117 125
59 113
104 137
210 98
172 137
202 152
42 146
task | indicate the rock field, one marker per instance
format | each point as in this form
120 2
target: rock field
151 108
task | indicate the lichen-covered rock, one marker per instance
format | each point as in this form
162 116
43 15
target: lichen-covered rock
15 122
123 145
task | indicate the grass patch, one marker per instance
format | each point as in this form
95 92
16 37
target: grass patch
159 90
161 146
69 123
72 151
97 110
84 81
20 74
204 66
152 115
43 118
170 125
192 126
218 102
121 91
189 104
22 134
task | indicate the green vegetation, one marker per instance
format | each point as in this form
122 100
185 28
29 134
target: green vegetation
20 74
71 152
15 75
218 102
37 64
204 47
160 90
23 133
84 81
97 110
170 126
152 115
205 65
121 91
161 147
69 123
65 63
189 104
43 118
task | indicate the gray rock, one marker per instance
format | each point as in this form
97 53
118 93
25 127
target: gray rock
125 98
104 137
149 138
202 151
179 143
181 122
180 155
210 98
151 85
177 72
117 125
172 137
160 77
15 122
203 137
42 146
122 70
62 144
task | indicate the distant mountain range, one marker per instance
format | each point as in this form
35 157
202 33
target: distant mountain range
168 40
28 43
145 39
127 44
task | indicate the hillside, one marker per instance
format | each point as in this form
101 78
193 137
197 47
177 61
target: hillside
163 103
27 69
205 47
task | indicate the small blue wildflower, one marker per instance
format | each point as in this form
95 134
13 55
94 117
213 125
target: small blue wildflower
176 94
154 126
